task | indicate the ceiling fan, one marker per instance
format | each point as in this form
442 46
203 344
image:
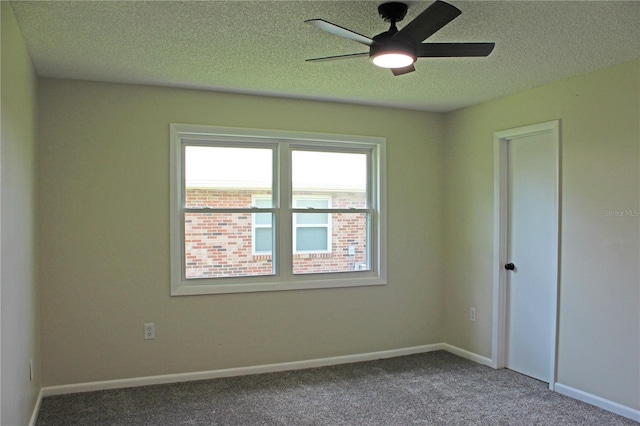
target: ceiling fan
399 49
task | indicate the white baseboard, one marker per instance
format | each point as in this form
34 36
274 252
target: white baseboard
240 371
36 409
466 354
605 404
314 363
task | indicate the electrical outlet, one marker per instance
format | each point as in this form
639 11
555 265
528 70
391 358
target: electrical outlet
149 331
472 314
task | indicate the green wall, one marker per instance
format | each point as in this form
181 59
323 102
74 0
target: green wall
599 313
104 239
18 257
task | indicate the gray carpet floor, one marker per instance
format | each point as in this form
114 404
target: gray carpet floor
435 388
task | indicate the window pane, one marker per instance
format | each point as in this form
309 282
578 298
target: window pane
264 240
312 218
263 219
262 202
222 177
349 246
340 176
321 203
311 239
221 245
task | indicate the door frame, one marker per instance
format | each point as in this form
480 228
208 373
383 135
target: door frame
500 239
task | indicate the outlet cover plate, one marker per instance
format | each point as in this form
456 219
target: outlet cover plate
149 331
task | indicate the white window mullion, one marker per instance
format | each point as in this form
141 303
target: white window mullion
377 225
284 225
373 205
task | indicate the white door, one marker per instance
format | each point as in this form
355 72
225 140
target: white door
532 253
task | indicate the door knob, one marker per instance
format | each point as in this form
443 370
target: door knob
509 266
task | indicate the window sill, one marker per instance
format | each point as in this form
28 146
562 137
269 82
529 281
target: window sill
187 289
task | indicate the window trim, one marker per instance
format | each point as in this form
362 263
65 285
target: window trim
283 279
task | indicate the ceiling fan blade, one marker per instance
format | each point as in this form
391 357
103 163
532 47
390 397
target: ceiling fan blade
403 70
339 31
333 58
429 21
450 50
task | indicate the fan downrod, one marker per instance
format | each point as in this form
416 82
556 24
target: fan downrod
392 11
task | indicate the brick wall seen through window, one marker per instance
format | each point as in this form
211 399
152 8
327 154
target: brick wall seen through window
220 244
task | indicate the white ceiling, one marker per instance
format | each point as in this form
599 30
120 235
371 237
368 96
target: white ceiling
260 47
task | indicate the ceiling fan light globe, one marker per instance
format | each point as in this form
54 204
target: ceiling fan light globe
393 60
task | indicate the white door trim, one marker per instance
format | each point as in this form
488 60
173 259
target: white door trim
500 235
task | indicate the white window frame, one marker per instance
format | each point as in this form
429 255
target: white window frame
284 142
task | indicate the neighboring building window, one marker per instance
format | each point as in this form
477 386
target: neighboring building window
262 228
262 210
312 231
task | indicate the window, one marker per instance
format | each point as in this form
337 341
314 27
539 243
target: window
255 210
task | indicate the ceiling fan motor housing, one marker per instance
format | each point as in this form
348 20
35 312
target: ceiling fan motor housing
387 43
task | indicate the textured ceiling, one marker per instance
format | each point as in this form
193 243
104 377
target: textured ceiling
260 47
